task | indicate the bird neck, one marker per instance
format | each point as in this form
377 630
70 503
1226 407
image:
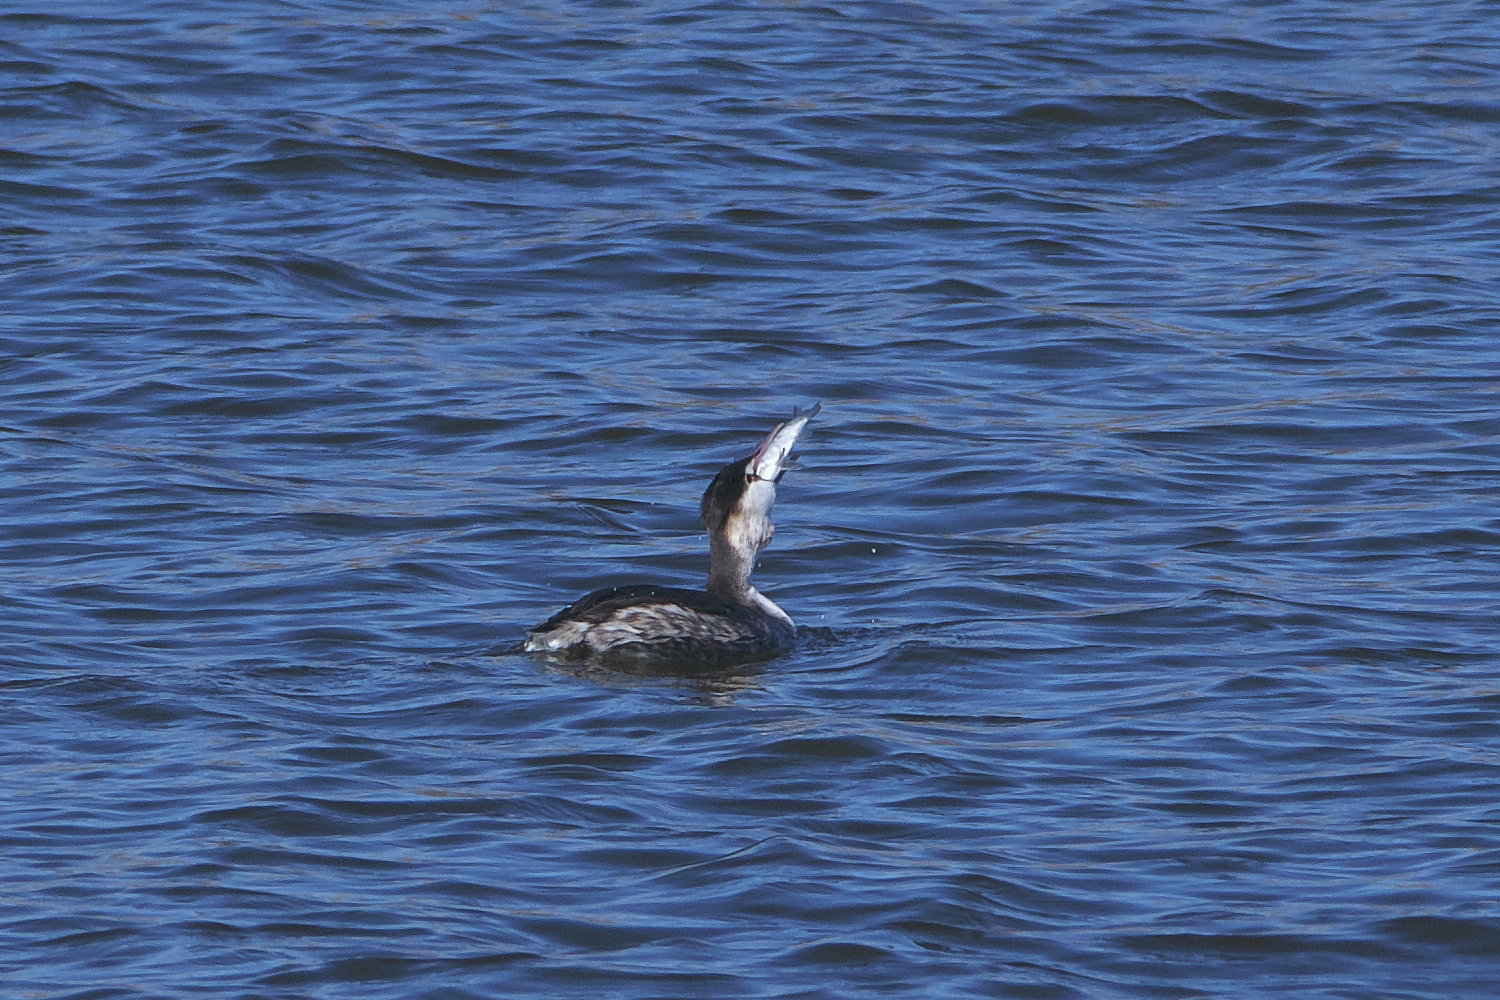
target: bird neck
729 577
729 567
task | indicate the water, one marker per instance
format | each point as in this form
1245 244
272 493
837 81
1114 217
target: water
1145 550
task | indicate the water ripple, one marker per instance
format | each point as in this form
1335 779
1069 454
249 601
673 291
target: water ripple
1143 555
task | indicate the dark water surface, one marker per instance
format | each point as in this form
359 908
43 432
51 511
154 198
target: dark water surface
1145 550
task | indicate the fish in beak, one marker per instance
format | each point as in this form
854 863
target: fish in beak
774 456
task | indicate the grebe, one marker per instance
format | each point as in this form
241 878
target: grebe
641 625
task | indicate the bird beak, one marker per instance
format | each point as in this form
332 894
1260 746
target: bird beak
774 456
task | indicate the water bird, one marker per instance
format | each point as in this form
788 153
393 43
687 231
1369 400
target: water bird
644 626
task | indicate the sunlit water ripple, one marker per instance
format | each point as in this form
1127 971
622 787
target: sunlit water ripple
1144 551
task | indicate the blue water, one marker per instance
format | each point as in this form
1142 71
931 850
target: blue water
1145 550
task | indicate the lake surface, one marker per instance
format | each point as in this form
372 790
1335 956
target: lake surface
1144 552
